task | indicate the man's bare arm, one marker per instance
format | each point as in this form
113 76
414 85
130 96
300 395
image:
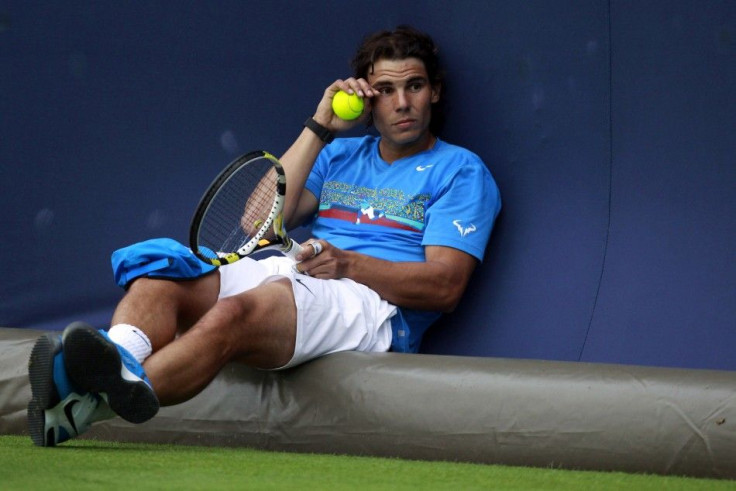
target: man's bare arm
435 284
299 158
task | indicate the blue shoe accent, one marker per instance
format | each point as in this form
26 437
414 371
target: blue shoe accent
58 410
98 365
61 378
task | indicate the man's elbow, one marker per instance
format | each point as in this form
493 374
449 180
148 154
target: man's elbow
453 270
450 298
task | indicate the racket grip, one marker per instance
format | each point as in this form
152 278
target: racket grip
292 249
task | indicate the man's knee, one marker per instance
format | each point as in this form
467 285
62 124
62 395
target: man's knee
188 300
257 324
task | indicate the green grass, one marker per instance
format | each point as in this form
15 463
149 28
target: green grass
85 464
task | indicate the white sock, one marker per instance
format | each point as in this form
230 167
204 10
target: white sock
132 339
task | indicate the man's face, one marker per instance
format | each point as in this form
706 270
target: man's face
402 111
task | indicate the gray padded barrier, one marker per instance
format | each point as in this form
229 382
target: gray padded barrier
430 407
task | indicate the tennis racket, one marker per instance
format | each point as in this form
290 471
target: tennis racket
241 212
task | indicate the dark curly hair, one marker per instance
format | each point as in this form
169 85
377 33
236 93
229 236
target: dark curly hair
403 42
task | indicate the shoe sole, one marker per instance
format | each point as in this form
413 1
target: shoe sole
94 364
43 391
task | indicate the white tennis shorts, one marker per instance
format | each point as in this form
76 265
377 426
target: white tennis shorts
332 315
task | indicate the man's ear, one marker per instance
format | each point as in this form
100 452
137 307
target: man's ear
436 89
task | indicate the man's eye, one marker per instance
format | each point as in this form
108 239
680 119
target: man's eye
416 87
385 90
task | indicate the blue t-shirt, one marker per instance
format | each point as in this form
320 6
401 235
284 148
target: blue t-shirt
444 196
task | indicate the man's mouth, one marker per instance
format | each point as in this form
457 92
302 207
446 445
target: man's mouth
404 123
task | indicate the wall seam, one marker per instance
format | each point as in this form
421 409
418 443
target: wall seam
610 184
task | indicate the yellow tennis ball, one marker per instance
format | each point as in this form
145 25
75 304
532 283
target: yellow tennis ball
347 106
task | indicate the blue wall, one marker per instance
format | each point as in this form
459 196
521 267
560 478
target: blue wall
609 127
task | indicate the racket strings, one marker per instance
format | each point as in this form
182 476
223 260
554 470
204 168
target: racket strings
240 209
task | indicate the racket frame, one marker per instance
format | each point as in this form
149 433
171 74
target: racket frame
273 222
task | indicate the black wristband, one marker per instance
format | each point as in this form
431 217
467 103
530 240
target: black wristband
322 133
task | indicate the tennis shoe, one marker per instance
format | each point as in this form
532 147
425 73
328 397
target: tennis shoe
58 411
97 364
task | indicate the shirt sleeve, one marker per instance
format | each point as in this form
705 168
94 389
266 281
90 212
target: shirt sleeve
463 214
316 178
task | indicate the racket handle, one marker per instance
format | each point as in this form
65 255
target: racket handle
292 249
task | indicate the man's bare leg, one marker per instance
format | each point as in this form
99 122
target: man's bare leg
160 308
96 364
257 327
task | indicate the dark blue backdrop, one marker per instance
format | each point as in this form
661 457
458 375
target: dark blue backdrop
609 127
